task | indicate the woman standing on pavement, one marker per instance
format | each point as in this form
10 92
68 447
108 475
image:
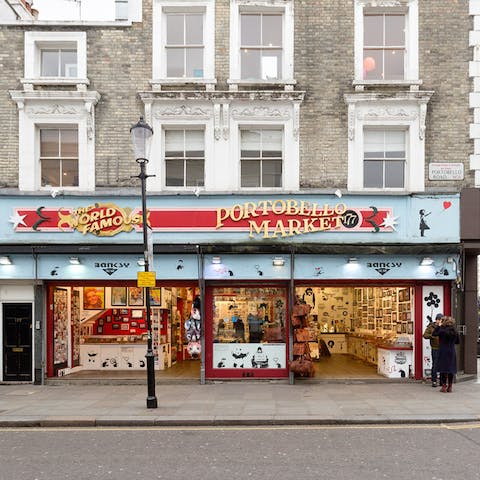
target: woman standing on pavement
447 357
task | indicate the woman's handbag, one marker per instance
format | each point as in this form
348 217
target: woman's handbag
302 335
302 367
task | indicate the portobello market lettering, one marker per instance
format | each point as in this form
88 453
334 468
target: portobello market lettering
309 217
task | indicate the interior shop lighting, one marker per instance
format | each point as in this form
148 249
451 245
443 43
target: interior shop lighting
216 260
353 261
141 262
427 262
74 260
5 260
278 262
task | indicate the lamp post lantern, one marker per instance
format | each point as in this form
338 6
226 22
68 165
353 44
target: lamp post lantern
141 135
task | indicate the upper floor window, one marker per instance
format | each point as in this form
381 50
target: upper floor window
121 10
58 62
184 46
55 58
384 47
59 157
386 41
261 41
184 158
261 158
384 158
261 46
183 41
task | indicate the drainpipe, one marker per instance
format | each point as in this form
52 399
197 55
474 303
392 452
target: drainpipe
201 284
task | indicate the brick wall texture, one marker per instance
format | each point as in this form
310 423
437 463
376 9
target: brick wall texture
119 66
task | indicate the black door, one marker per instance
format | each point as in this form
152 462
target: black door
17 342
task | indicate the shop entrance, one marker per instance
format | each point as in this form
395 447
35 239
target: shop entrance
100 330
358 331
17 342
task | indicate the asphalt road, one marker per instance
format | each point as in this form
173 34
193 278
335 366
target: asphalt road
433 452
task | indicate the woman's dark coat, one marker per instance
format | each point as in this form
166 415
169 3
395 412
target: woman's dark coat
447 358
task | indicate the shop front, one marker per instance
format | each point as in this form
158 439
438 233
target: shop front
372 271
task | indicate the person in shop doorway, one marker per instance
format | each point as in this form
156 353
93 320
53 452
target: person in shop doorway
448 337
427 334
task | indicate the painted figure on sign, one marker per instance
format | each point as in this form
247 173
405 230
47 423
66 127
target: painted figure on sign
423 224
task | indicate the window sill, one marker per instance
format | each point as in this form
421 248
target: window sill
361 84
288 84
56 81
208 82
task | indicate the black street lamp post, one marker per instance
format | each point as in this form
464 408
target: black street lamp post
141 134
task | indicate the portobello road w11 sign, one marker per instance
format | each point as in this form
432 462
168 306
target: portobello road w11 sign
264 219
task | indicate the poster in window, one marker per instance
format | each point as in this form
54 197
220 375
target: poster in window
135 296
155 297
119 296
93 298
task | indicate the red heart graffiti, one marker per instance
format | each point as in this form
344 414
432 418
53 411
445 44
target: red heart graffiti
447 205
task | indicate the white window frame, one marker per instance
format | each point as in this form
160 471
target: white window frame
405 111
159 64
284 7
189 127
410 9
36 41
55 110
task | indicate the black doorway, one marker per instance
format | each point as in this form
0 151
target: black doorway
17 342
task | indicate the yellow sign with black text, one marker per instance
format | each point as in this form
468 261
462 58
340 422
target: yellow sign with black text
146 279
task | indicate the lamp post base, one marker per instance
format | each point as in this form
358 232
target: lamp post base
151 397
152 402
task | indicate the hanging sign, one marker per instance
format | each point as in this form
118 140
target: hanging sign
146 279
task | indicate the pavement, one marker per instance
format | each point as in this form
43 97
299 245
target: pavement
238 403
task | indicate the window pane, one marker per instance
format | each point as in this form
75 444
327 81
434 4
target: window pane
250 143
373 64
373 174
49 143
272 142
272 30
194 58
121 10
68 63
395 30
251 30
174 143
395 143
50 63
51 173
69 173
250 173
374 143
373 30
272 173
175 34
395 174
250 63
194 140
271 64
194 29
174 173
394 64
195 173
69 143
175 59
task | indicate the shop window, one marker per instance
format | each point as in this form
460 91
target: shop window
59 157
249 328
184 158
386 41
384 158
261 158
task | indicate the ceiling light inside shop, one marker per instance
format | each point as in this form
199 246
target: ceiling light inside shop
353 261
74 261
427 262
141 262
216 260
5 260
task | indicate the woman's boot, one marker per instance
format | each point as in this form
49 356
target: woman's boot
449 388
444 388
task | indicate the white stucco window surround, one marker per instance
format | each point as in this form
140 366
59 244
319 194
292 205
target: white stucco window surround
55 58
274 52
377 50
177 115
281 117
42 110
405 111
183 42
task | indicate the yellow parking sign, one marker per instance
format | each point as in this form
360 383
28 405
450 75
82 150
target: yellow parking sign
146 279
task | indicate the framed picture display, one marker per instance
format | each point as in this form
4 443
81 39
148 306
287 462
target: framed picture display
108 319
99 329
93 298
119 296
125 326
135 297
399 328
137 314
410 328
115 326
155 297
142 325
100 321
133 324
125 319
